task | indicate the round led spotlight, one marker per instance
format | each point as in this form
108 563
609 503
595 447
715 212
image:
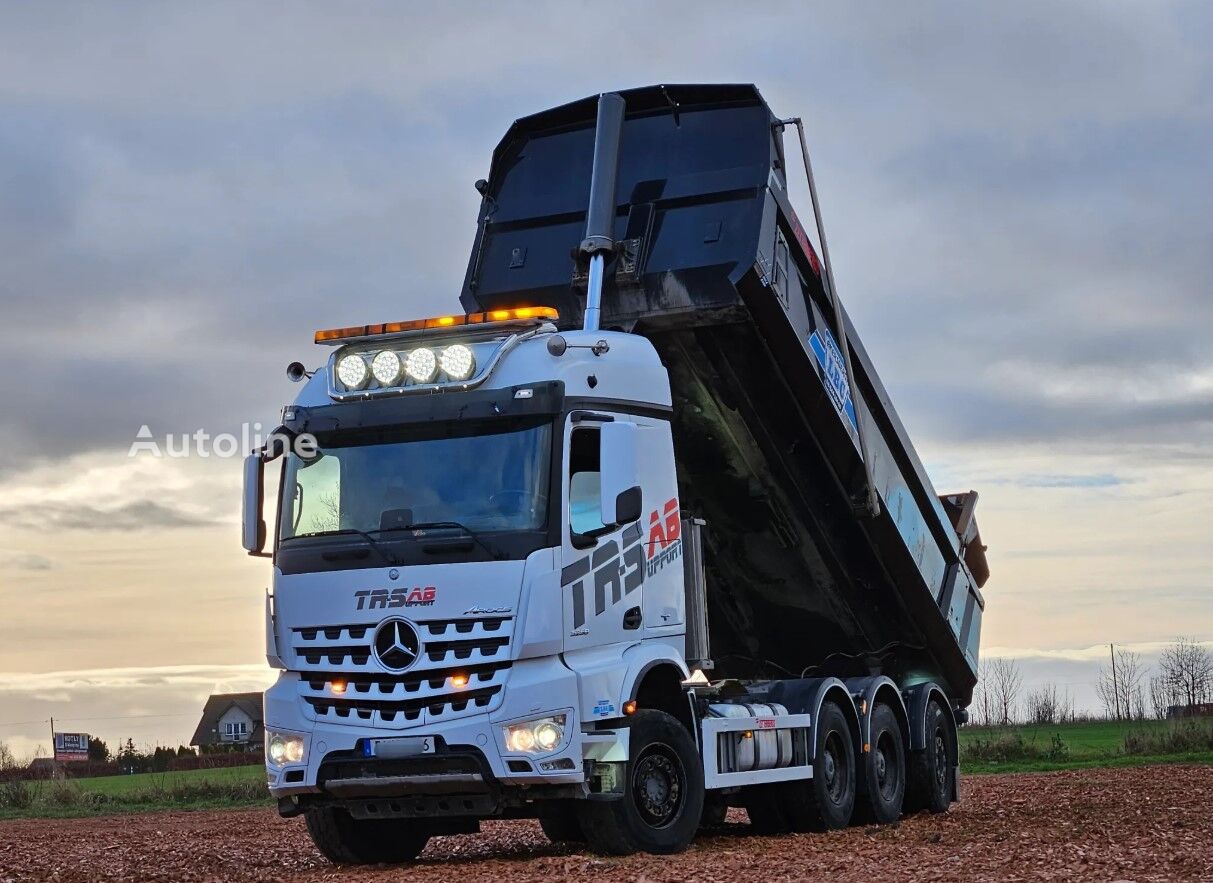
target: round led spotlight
387 368
458 363
421 365
352 372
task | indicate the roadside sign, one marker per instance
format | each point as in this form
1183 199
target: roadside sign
71 746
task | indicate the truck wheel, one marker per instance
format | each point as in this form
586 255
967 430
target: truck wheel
345 840
884 767
663 792
826 801
935 767
560 824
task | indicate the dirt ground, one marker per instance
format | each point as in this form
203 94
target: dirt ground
1148 823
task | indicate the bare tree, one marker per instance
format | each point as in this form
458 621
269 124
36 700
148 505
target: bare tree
1065 708
1006 681
1119 686
1044 705
7 761
983 695
1162 696
1187 669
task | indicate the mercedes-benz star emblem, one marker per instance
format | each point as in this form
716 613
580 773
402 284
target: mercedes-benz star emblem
396 644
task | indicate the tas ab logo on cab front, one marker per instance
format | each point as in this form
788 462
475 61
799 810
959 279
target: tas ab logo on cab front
379 599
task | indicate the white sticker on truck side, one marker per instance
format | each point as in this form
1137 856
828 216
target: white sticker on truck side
834 375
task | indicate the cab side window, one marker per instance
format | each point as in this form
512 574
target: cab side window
585 494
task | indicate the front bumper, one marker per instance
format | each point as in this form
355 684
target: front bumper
470 756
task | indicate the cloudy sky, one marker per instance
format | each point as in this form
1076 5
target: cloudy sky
1017 198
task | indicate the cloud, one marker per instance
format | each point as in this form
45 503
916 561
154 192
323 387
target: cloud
179 227
134 516
1071 481
24 561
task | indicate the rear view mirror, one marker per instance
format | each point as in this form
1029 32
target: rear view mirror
621 495
252 523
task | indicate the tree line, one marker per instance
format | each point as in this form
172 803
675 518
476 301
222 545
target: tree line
1127 688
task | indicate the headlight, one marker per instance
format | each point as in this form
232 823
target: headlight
352 372
458 363
283 748
387 368
421 365
538 736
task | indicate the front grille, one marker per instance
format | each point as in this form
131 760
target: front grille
341 681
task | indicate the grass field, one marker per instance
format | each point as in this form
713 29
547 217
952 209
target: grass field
105 795
1072 746
118 786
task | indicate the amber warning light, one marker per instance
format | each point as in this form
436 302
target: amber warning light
334 335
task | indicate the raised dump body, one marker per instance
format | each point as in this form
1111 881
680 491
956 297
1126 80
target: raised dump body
714 267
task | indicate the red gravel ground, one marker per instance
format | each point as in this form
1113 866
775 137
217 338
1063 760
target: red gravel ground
1148 823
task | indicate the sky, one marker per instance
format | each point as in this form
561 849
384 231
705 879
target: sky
1017 204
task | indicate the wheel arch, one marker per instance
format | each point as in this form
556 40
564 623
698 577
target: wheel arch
866 693
920 697
656 683
832 689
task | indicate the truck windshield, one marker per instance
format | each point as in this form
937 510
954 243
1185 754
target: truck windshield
483 479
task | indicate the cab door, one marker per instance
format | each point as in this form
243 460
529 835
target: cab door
603 565
622 576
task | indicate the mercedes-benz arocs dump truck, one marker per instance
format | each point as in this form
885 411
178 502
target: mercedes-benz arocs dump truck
636 538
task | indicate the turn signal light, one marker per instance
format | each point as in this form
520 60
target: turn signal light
333 335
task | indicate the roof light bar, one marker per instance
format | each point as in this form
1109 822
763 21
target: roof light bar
336 335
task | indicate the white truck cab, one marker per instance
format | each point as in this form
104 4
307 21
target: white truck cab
476 577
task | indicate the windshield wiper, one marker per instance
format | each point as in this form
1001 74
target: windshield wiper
353 531
438 525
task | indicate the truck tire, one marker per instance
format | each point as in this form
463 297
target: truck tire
662 802
934 769
827 801
884 768
345 840
560 824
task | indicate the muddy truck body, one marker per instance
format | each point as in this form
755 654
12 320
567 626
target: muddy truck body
637 537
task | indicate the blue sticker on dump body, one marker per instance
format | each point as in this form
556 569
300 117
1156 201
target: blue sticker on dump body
834 375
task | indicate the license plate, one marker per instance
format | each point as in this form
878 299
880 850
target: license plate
403 746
